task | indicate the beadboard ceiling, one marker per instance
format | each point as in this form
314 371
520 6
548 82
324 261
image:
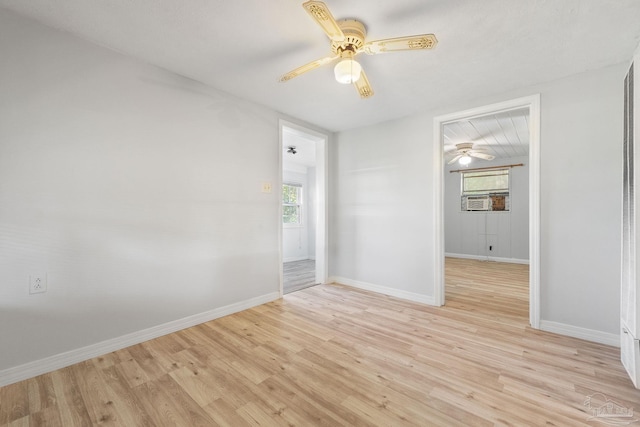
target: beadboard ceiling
485 47
503 135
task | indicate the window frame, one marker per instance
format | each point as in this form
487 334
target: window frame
490 193
299 205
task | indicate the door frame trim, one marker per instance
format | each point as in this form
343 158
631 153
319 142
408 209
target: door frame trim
533 103
322 205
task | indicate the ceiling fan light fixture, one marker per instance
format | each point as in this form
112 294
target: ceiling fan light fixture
465 160
347 39
347 71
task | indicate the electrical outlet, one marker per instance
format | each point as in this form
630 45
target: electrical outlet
37 283
266 187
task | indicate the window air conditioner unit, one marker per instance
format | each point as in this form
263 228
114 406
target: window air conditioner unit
478 203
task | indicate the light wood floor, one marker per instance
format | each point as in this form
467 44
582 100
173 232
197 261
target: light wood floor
335 356
489 289
298 275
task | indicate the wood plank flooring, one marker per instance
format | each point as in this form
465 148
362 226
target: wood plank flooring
489 289
331 355
298 275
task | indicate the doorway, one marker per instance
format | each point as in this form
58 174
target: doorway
532 106
303 246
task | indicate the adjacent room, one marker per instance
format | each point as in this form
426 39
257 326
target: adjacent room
486 207
301 207
255 213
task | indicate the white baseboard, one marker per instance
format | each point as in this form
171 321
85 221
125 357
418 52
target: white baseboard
490 258
62 360
582 333
398 293
303 258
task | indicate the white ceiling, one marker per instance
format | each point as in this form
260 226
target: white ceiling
305 146
485 47
503 135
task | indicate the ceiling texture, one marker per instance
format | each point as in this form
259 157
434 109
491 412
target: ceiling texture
242 47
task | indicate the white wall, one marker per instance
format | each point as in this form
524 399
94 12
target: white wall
381 215
125 185
500 235
381 210
581 181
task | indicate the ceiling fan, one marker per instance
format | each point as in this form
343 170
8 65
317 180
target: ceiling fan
347 38
464 152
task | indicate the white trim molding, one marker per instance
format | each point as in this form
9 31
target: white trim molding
398 293
62 360
534 210
582 333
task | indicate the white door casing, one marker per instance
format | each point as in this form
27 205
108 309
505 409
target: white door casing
533 103
321 243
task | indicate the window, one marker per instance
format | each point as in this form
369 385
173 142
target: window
292 204
485 190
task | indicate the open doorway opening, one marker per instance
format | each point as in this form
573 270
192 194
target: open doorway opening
488 207
303 225
486 213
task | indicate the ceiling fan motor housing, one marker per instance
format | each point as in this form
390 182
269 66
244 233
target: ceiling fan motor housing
464 147
354 35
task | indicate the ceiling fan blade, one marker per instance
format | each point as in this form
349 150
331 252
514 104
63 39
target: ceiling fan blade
423 41
320 12
363 86
454 159
307 67
481 155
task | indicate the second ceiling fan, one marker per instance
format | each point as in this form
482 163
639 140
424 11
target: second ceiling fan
464 151
347 39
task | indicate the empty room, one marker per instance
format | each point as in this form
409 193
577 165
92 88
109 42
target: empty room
311 213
